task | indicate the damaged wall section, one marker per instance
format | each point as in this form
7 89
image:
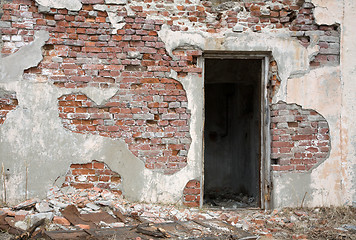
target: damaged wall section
94 174
300 138
145 54
152 123
8 102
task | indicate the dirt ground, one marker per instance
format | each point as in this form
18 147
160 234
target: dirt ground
308 223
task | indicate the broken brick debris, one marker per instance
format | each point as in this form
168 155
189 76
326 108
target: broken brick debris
100 213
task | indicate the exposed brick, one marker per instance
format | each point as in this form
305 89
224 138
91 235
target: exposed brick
191 194
8 102
89 54
306 141
93 174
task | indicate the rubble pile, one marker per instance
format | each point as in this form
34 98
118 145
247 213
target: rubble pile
70 209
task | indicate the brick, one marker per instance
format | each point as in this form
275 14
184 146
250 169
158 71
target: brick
83 226
305 135
191 204
61 221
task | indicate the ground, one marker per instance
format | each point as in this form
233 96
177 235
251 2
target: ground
65 208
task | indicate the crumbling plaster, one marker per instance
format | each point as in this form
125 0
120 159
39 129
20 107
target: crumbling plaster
328 12
292 58
330 91
33 140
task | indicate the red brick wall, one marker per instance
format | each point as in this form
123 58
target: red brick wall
156 131
8 102
71 32
93 174
191 194
300 138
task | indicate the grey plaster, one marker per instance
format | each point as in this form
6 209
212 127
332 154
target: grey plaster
99 95
34 143
292 58
72 5
289 189
33 136
12 67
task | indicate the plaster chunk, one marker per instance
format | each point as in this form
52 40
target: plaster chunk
118 2
28 56
117 22
99 95
72 5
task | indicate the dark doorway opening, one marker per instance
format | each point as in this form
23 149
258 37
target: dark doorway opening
232 132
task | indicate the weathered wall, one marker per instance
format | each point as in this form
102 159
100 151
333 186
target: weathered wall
323 90
348 111
120 52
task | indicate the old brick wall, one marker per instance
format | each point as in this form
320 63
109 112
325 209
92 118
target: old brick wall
191 194
149 111
94 174
8 102
300 138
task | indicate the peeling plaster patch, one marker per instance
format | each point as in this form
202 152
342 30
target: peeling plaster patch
72 5
12 67
292 58
174 40
321 90
116 21
99 95
324 83
35 126
289 189
328 12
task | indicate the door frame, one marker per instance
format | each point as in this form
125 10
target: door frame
265 184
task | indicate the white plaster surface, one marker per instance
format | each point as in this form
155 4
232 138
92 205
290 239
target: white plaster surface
73 5
332 92
328 11
319 90
348 111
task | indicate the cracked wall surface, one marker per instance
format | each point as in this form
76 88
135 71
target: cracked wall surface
144 58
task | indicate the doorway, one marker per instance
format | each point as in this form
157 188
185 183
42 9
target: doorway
233 132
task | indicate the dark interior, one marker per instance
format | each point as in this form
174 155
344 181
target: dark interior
232 132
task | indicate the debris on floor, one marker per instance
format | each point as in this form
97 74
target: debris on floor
229 200
69 213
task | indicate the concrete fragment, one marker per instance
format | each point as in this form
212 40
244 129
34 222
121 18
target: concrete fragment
117 224
93 206
238 28
27 204
118 2
43 207
58 204
39 216
21 224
